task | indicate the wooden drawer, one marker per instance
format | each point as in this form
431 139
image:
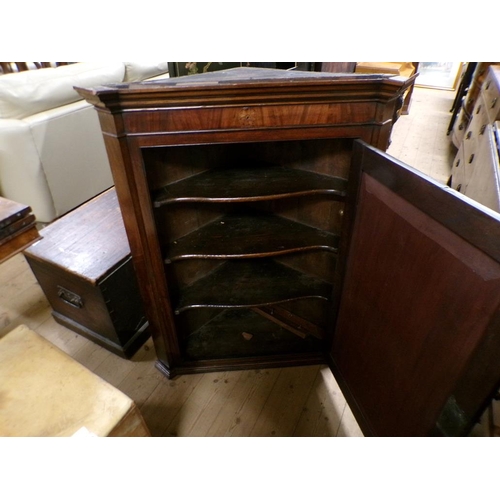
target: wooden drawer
484 184
471 143
478 122
458 171
491 94
470 148
460 127
84 267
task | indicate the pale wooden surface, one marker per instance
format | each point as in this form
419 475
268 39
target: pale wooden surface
419 138
45 393
304 401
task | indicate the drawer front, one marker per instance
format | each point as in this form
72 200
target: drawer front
457 172
479 108
460 127
478 122
484 185
491 96
250 117
470 155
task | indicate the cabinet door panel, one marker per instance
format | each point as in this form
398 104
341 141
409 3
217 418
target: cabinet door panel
420 301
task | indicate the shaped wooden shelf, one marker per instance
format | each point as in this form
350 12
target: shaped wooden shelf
244 235
243 333
251 283
243 184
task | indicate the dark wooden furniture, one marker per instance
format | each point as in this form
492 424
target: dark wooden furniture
233 187
84 267
17 228
265 234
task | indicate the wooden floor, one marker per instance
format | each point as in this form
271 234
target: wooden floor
303 401
420 138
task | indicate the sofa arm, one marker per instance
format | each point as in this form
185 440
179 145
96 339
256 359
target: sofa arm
29 92
22 178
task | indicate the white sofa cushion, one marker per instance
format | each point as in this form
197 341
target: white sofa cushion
138 71
71 150
22 178
28 92
54 160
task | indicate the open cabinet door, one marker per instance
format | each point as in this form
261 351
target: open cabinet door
416 348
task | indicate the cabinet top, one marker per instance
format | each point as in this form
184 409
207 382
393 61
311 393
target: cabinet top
250 84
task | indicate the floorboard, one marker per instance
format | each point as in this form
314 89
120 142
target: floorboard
283 407
238 416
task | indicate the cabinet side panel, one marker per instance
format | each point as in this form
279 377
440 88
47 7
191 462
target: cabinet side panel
416 304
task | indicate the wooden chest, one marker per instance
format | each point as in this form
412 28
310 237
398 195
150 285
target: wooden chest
84 267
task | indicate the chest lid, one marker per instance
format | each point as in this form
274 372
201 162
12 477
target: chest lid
90 241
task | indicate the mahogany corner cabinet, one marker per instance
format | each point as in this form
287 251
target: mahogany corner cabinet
268 228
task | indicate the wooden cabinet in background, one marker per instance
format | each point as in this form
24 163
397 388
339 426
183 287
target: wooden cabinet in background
479 179
465 108
475 168
268 229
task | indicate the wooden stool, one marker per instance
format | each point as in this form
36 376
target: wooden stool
44 392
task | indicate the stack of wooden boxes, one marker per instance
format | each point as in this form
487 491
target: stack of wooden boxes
17 228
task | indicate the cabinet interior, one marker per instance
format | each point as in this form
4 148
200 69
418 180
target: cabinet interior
249 233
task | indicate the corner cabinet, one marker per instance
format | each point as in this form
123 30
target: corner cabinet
268 228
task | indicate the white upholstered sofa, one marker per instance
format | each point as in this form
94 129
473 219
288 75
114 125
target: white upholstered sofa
52 154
